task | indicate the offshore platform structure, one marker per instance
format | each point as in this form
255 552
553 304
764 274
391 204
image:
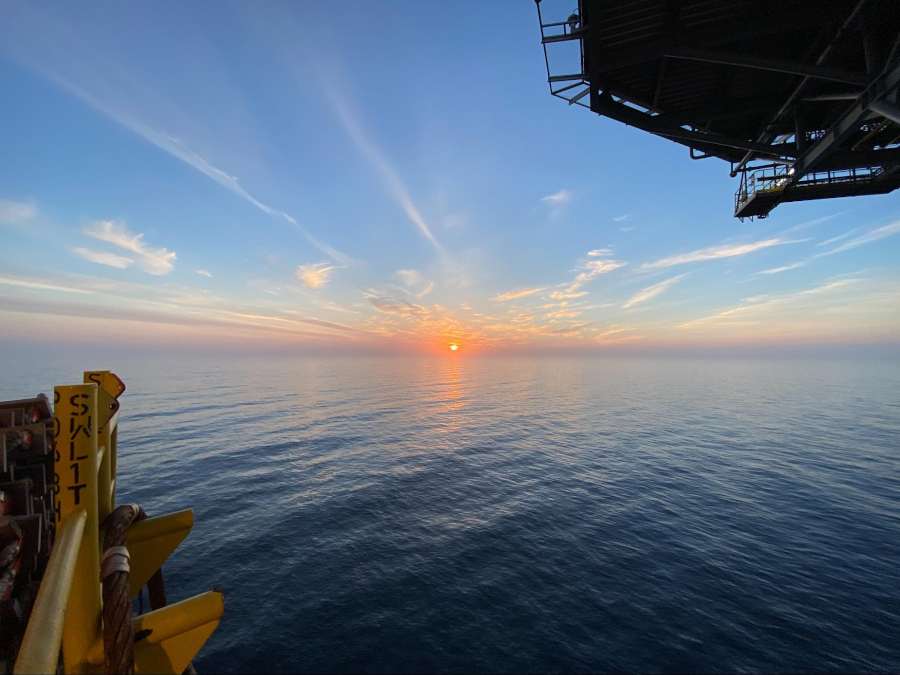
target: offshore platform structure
800 97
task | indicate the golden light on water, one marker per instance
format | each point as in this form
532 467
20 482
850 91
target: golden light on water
454 346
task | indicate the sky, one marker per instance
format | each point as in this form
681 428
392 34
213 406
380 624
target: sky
383 176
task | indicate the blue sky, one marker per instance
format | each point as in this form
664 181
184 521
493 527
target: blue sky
393 175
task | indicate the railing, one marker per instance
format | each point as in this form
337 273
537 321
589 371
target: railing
67 611
560 32
39 652
778 178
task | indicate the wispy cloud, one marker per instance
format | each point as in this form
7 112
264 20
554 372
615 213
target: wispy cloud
627 338
103 257
177 148
558 198
40 285
15 213
625 216
385 170
588 270
812 223
758 307
454 220
557 202
625 229
414 283
567 295
203 272
591 269
868 237
166 142
778 270
567 330
388 304
314 275
837 238
716 252
564 313
155 261
515 295
652 291
305 320
613 332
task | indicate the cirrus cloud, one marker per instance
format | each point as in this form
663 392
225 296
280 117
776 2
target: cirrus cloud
868 237
716 252
15 213
567 295
315 275
779 270
414 283
766 307
156 261
558 198
652 291
515 295
103 257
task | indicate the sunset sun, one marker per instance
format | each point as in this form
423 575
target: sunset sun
454 347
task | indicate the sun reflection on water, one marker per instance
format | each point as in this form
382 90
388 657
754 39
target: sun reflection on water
454 398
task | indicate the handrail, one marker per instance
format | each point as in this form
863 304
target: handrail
39 652
778 178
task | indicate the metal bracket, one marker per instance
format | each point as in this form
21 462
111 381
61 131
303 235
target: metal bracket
152 541
168 639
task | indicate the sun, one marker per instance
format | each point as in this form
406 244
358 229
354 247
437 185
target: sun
453 347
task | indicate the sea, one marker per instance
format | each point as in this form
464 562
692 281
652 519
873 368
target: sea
463 513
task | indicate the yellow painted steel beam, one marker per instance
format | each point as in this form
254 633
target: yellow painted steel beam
105 497
108 413
150 542
167 639
110 388
106 380
107 408
39 652
76 421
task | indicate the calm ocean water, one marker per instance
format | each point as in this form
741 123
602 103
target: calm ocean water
523 514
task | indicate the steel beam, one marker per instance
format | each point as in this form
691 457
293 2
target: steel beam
795 94
851 96
623 113
846 124
557 92
774 65
76 418
565 78
886 109
846 159
577 34
580 95
762 26
660 77
707 143
719 111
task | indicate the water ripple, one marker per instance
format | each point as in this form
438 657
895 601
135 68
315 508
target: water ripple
540 515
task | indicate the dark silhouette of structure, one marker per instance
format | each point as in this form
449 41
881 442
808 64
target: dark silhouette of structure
800 97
